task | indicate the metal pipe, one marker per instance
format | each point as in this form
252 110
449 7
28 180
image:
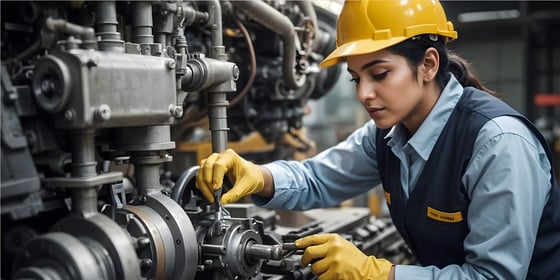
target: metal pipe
218 104
217 50
283 26
106 27
308 10
142 23
83 153
213 250
217 97
84 199
147 176
87 34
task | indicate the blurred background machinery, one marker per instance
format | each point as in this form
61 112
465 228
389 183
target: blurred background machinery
108 106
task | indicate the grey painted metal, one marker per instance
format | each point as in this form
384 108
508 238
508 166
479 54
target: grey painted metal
146 146
183 233
143 138
228 249
86 34
109 39
142 24
77 182
111 236
51 84
217 110
84 199
161 251
166 238
58 255
109 80
267 252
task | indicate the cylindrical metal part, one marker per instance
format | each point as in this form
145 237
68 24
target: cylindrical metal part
83 153
214 250
147 177
163 24
267 252
84 201
205 73
216 18
106 27
142 23
57 256
86 33
218 120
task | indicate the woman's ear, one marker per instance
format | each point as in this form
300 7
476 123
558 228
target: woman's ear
430 64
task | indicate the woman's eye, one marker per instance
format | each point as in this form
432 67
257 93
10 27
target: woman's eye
381 76
355 80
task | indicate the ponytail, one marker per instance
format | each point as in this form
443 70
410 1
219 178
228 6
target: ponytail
465 74
414 49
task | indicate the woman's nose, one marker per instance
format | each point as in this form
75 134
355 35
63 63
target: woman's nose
365 92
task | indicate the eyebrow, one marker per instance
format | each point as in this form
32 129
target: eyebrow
369 64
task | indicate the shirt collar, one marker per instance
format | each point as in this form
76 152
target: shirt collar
425 138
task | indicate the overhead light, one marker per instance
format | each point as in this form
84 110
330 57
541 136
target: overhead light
488 15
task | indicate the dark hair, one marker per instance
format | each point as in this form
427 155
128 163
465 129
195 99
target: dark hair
414 49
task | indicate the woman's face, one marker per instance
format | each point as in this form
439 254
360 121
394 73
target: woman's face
390 91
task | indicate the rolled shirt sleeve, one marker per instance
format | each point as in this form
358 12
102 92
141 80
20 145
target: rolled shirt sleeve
334 175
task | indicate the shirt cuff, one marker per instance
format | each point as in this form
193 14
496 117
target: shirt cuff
281 186
412 272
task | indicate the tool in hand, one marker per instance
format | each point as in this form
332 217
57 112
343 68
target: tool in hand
290 248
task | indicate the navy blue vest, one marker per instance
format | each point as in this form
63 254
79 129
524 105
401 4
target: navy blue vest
434 220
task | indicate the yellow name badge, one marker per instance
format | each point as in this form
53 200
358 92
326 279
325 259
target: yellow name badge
454 217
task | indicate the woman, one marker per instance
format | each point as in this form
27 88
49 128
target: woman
468 180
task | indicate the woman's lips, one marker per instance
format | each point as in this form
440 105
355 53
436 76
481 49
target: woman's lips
374 112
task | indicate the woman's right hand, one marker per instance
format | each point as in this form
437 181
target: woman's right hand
246 177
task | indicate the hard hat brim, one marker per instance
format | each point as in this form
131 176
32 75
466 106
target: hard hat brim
358 47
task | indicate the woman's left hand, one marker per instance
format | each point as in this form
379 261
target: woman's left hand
333 257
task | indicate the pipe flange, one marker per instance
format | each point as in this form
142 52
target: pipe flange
234 261
182 231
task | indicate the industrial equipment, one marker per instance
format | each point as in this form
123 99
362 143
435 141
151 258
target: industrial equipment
96 98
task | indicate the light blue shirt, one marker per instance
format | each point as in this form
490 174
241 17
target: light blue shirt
507 181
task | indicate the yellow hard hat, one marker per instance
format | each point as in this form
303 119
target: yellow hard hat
368 26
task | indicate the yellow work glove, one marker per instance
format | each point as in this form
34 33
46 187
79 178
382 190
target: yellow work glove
245 176
334 257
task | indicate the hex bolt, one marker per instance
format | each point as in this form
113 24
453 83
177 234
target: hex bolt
102 113
146 264
235 72
69 115
170 64
143 242
175 111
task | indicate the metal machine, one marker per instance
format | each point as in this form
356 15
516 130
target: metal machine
95 96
